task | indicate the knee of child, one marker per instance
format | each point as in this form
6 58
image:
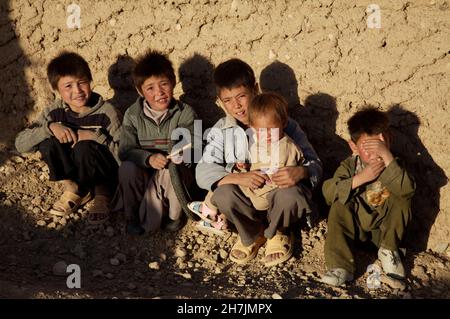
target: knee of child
128 170
48 144
223 194
287 195
85 148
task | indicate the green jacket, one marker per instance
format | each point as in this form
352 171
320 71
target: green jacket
102 117
339 188
141 136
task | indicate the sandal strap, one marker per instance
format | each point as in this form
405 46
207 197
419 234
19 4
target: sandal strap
280 243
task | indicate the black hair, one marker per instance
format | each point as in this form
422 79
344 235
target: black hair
368 120
67 64
152 63
232 74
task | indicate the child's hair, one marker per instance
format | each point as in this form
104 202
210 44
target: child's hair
232 74
269 104
67 64
152 63
368 120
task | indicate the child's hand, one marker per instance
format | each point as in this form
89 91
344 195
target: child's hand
158 161
378 147
63 133
289 176
253 179
369 173
176 159
242 166
85 135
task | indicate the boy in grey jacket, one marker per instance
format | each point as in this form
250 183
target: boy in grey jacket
78 138
236 86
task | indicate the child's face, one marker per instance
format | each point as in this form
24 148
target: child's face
74 91
268 128
236 101
357 148
158 91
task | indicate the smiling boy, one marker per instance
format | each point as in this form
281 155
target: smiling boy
236 87
78 138
146 194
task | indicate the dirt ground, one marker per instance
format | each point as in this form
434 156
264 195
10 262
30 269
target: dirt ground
321 55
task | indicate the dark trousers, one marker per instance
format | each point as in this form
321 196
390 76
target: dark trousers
286 206
87 163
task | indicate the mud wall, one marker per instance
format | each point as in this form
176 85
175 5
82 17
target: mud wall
322 55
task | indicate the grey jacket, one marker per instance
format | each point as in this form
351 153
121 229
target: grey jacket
221 153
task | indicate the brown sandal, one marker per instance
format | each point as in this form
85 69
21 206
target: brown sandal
68 203
281 244
249 251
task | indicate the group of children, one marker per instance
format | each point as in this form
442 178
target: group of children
123 165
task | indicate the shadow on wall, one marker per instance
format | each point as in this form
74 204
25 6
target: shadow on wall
120 79
429 177
15 100
196 76
317 117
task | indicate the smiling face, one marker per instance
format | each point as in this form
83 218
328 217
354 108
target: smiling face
236 101
74 91
158 91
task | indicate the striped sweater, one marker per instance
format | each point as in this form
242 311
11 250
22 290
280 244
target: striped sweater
103 118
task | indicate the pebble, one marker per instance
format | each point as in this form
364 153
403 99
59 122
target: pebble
163 256
60 268
153 265
63 221
7 203
41 223
121 257
36 210
392 282
223 254
180 252
97 273
109 275
109 231
276 296
17 159
114 261
185 275
79 251
51 225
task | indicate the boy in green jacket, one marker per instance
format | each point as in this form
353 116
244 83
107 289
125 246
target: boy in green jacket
370 197
146 194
